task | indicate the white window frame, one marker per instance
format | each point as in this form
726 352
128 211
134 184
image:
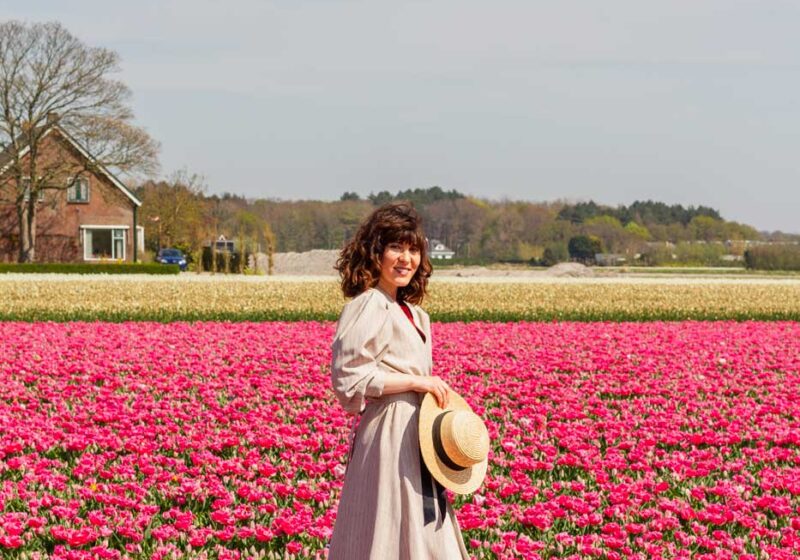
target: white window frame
71 190
140 238
124 230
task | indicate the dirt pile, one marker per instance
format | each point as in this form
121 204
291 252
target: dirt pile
318 262
570 270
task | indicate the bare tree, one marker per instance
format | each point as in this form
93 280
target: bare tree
49 80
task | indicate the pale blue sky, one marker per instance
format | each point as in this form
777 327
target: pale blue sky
692 102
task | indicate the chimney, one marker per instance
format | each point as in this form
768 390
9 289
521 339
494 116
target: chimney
52 118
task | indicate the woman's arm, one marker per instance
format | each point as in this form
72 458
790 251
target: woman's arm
403 382
362 334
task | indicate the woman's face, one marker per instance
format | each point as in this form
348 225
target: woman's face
399 263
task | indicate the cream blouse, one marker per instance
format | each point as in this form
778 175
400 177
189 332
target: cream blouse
374 336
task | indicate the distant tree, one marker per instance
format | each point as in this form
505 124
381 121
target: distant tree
636 238
635 230
558 231
424 197
555 253
703 211
350 196
700 253
608 229
49 77
419 197
381 198
706 228
583 248
773 257
254 235
735 230
538 219
643 212
579 213
676 232
234 200
649 212
657 254
349 215
173 211
458 223
268 245
780 236
502 232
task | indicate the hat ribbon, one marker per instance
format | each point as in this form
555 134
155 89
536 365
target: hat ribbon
437 443
429 486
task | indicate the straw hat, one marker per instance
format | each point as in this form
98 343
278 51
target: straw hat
454 443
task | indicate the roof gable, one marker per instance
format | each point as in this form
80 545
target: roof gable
6 160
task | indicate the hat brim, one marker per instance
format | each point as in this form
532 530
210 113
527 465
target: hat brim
464 481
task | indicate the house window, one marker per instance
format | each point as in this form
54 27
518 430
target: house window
103 243
223 246
118 237
78 190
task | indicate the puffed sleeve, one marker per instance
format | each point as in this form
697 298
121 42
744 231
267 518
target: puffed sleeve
362 336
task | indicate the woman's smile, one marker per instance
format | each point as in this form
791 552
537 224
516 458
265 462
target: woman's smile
399 263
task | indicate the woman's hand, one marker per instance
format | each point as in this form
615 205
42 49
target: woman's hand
402 382
436 386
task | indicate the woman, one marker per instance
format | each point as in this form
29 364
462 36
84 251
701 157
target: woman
381 369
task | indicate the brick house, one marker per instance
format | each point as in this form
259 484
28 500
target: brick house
91 219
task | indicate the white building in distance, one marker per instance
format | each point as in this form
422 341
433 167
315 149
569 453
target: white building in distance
439 250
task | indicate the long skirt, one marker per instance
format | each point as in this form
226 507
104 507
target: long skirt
381 514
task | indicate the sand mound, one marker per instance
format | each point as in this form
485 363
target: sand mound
318 262
570 270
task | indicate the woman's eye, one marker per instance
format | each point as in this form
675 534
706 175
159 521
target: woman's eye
400 248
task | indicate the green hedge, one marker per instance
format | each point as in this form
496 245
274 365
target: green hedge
162 316
91 268
773 257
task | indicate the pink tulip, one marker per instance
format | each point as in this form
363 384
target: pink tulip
622 440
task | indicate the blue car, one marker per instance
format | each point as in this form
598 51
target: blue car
171 256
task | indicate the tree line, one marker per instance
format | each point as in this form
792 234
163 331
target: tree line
179 213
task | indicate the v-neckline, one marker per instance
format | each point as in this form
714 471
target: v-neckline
411 318
417 329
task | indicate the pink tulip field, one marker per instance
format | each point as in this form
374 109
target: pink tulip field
224 440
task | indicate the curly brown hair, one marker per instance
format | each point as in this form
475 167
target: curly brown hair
359 261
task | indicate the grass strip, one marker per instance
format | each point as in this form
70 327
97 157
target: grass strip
443 317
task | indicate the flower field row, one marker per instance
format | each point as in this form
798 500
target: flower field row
223 440
188 298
